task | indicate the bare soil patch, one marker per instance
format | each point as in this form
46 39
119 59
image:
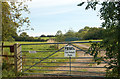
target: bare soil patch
86 70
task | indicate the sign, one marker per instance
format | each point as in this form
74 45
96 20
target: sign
69 51
32 51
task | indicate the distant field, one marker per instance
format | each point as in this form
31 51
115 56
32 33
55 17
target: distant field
87 44
35 47
28 57
45 38
23 42
29 61
88 40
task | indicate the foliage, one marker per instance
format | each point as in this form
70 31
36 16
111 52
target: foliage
8 69
59 36
25 37
12 18
110 13
83 34
44 47
43 35
52 47
94 33
69 34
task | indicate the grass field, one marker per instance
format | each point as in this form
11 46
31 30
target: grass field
11 43
87 44
45 38
27 62
19 42
27 57
31 61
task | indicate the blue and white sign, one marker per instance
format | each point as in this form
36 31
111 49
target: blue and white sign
69 51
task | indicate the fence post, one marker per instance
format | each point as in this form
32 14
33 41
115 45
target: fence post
17 58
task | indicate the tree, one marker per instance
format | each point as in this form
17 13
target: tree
12 18
42 35
50 36
94 33
59 36
69 34
15 36
83 31
24 36
110 13
78 35
59 32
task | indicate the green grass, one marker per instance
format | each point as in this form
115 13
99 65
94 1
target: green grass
40 54
87 44
87 40
20 42
45 38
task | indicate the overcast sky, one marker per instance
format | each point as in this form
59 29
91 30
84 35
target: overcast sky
49 16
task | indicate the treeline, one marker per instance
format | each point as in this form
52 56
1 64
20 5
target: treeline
86 33
25 37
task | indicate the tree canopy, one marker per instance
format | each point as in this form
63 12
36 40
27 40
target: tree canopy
110 14
86 33
12 19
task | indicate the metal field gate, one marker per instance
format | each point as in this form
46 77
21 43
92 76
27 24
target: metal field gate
46 59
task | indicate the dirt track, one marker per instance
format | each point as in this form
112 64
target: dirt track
85 70
83 46
82 54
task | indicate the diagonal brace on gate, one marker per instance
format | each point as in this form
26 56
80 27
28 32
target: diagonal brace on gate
44 58
84 51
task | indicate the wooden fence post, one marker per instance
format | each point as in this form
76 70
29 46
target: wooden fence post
17 58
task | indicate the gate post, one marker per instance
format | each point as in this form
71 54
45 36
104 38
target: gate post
17 58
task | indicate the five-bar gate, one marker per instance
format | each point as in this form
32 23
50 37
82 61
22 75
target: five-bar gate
44 59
